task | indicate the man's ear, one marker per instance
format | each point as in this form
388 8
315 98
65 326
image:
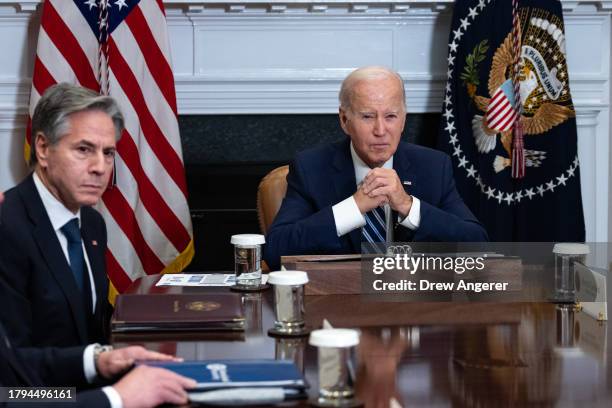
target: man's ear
342 115
42 148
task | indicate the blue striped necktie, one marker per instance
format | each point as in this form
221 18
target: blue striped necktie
375 229
75 250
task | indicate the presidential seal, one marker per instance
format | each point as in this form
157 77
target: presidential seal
545 102
202 306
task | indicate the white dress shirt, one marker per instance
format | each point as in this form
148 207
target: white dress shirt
59 216
346 213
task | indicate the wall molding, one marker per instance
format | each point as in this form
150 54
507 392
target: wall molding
277 57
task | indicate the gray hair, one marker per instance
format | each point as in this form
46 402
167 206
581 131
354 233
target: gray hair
62 100
371 72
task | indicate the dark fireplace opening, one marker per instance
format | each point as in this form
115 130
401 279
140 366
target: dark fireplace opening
226 156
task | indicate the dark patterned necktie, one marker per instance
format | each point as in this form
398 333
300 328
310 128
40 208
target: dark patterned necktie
75 250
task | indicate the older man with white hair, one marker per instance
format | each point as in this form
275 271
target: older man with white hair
370 187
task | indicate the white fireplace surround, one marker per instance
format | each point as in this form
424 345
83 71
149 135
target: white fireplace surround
270 57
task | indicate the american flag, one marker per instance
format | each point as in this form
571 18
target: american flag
120 47
501 113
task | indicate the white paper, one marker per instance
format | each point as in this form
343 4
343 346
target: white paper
201 279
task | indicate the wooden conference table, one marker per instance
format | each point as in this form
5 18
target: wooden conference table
428 354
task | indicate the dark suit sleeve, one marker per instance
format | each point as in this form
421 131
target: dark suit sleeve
14 276
299 227
56 367
450 220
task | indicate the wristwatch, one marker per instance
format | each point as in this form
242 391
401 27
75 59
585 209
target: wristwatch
97 350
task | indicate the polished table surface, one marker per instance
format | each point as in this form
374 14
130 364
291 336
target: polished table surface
427 354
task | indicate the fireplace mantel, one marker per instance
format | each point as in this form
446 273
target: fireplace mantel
277 57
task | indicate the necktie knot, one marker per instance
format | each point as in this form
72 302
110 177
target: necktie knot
72 231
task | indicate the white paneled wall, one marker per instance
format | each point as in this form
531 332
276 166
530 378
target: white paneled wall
290 57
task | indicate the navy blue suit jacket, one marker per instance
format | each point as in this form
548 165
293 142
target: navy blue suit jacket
323 176
48 309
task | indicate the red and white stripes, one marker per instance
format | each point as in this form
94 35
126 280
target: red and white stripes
146 212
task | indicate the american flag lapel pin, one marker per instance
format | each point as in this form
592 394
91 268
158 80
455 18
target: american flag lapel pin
407 183
94 243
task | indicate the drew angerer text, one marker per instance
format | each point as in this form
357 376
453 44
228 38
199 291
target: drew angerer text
399 268
425 285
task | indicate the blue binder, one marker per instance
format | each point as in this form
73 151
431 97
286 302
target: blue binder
219 374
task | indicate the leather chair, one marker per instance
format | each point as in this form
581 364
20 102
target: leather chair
270 194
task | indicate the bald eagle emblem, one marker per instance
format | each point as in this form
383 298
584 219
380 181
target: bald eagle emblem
544 89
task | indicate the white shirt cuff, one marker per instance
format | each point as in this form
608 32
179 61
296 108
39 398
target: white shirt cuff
113 397
413 220
347 216
89 365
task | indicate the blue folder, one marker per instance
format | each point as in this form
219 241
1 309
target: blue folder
218 374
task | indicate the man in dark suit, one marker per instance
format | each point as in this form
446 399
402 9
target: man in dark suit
80 366
53 241
370 187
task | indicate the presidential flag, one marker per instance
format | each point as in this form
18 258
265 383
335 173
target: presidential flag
508 120
120 48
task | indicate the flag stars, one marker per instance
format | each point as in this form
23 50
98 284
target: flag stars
465 23
91 4
541 190
518 196
561 179
453 139
529 193
562 74
490 192
481 4
471 172
451 60
550 186
457 151
450 126
570 172
449 73
473 12
120 4
453 46
447 114
447 100
508 198
457 34
559 66
499 197
462 161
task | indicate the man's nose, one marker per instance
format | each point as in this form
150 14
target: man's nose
379 126
97 163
